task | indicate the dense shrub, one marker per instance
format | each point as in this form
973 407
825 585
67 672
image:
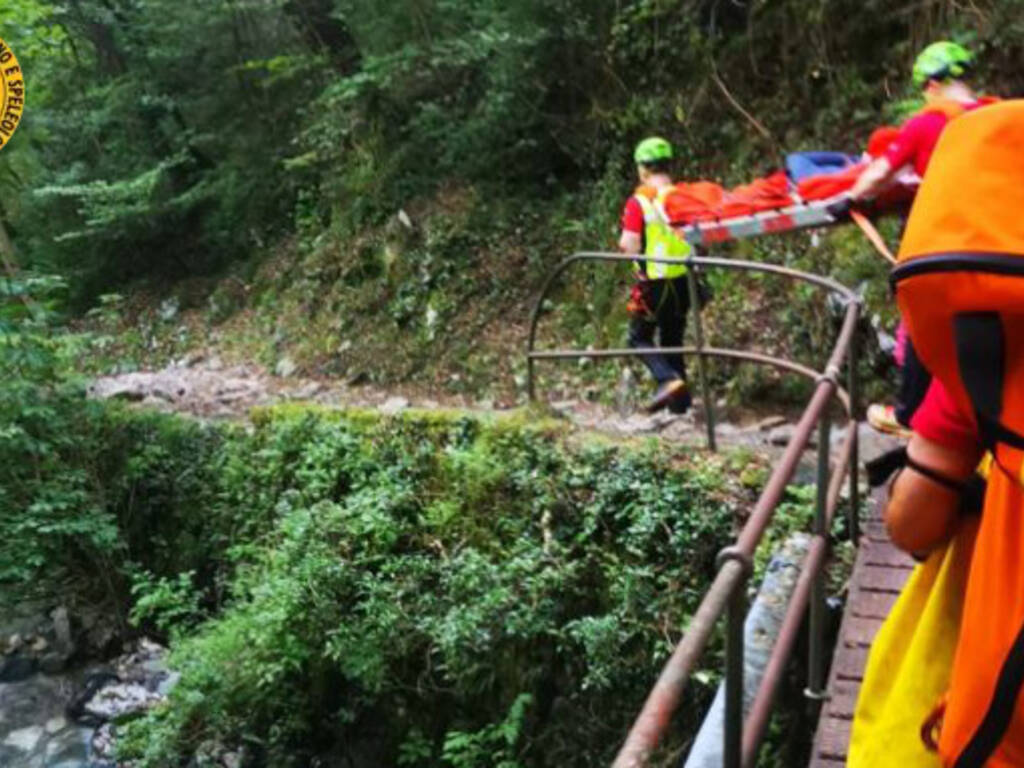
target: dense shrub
47 501
427 589
436 591
431 589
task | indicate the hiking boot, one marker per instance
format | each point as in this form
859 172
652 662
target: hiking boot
666 393
681 403
883 419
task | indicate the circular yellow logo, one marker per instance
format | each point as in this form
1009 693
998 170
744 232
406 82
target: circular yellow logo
12 94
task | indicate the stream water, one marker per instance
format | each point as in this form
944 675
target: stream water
62 678
34 729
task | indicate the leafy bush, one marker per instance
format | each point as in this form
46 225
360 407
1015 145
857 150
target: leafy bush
433 590
47 503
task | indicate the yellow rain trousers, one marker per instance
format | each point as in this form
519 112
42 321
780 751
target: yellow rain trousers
911 659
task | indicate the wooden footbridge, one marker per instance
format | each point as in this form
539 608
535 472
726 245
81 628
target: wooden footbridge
878 575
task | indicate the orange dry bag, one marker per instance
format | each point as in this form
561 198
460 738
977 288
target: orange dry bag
694 202
960 287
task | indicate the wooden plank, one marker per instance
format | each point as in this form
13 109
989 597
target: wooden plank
878 579
873 515
849 664
879 573
886 554
896 564
871 605
859 632
833 739
876 530
843 700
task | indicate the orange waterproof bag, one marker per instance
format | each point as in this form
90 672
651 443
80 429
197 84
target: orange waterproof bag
960 287
764 194
693 202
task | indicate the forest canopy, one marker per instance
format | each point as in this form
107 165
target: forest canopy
168 138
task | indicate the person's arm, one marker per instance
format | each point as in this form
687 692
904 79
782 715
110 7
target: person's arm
922 510
916 135
629 242
872 179
631 239
924 501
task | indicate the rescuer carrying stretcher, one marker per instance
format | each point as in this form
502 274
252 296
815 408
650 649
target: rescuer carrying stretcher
659 299
939 71
888 174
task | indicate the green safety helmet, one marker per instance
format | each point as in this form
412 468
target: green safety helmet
652 150
941 61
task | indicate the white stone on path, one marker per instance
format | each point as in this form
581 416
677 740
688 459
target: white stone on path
394 405
770 422
285 367
24 739
114 700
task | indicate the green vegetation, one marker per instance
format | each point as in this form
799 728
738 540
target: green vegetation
431 589
436 590
428 589
375 193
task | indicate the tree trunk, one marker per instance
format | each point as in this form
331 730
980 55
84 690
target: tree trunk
6 250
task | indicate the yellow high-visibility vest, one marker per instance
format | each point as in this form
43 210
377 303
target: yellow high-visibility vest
660 240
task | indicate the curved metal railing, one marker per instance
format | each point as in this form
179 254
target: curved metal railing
726 595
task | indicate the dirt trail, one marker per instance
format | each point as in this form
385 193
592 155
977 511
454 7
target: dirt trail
203 387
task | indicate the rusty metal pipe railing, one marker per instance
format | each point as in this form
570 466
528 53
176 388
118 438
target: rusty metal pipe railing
756 725
708 261
733 725
702 372
852 520
776 269
730 354
815 690
663 699
664 696
760 710
734 264
742 736
763 510
842 466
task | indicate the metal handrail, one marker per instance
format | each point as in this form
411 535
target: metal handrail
848 296
729 354
742 737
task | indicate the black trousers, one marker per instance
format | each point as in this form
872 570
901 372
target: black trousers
660 307
914 383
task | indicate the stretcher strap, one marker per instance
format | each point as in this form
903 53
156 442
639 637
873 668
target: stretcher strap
872 234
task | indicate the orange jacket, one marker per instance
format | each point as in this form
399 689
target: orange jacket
960 287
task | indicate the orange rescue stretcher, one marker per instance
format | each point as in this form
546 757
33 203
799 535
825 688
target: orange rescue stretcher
703 213
801 214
